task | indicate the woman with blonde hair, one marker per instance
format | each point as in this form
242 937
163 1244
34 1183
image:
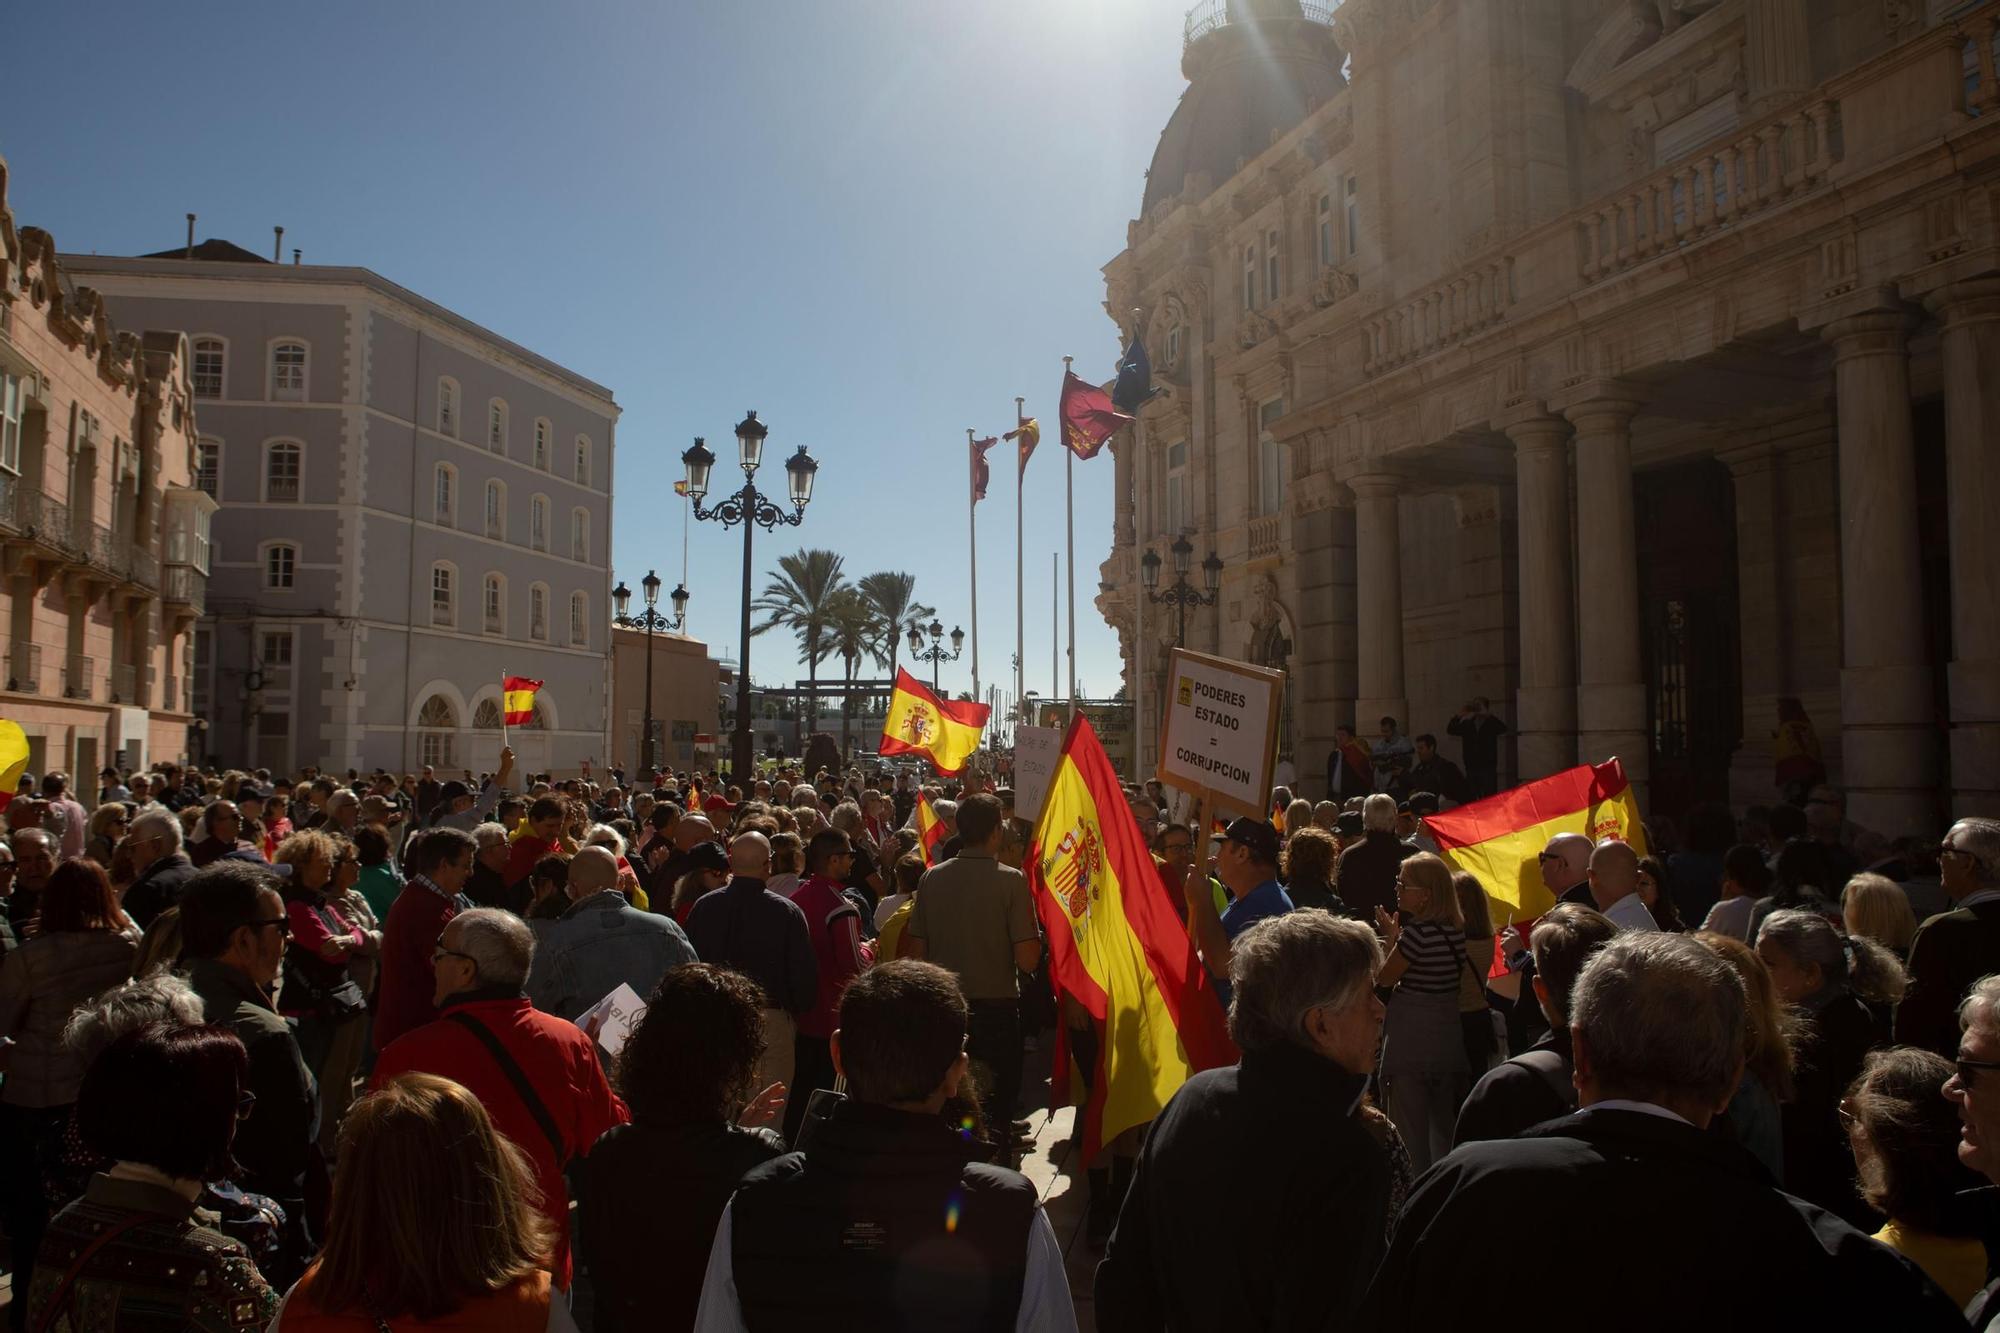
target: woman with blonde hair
436 1217
1752 1117
1425 1073
1876 907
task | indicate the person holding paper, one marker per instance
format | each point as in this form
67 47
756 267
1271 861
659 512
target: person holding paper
601 941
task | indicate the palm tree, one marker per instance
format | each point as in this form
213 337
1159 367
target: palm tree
891 596
800 597
851 633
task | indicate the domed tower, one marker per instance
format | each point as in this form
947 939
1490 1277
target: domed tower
1254 69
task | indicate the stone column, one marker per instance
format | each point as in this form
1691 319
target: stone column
1545 704
1611 681
1777 53
1970 347
1761 619
1378 602
1123 447
1322 680
1888 742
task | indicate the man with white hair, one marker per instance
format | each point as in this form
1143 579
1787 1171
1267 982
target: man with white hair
1955 948
601 941
537 1076
1975 1090
1368 869
154 841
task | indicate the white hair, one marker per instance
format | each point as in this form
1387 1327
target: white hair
499 943
603 835
489 834
1378 813
158 823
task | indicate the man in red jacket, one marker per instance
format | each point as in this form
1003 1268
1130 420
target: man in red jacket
440 862
538 1076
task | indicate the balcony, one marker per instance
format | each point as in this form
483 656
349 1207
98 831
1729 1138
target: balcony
139 565
171 700
1210 15
36 517
185 586
24 668
78 677
1264 536
125 684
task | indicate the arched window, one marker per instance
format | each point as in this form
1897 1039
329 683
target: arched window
583 460
284 462
538 612
579 534
208 466
444 596
542 433
281 563
447 413
486 717
538 523
210 358
579 619
446 506
288 370
493 599
496 426
496 510
437 725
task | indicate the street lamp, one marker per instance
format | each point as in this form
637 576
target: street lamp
649 620
1181 594
753 510
935 653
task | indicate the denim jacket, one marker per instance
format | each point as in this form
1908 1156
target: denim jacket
598 943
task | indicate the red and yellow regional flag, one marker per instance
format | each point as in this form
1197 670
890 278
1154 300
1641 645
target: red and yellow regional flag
1088 417
1498 839
517 700
930 830
946 732
1117 946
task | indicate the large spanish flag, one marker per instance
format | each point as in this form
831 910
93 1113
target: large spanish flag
944 731
517 700
1499 839
1116 945
13 759
930 830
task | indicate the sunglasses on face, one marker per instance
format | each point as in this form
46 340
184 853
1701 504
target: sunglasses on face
284 927
246 1102
1968 1070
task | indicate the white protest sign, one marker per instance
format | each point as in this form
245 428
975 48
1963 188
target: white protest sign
1221 729
612 1019
1036 753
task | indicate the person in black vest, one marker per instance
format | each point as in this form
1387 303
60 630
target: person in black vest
885 1219
1657 1027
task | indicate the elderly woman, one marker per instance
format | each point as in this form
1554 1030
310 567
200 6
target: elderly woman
318 993
1425 1072
1875 906
1309 865
1305 1016
108 823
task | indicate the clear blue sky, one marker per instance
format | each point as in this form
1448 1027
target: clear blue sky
875 221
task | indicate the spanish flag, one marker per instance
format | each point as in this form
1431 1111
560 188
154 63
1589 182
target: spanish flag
517 700
1117 946
943 731
1499 839
930 830
13 759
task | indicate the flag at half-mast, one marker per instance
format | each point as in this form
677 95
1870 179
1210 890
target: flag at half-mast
1028 434
1089 417
930 830
517 700
1116 945
944 731
1499 840
981 474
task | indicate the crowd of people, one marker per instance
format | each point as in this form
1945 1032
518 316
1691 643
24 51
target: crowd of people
348 1053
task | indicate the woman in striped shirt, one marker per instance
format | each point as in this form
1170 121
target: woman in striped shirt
1425 1075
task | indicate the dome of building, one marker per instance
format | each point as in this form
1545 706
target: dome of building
1254 69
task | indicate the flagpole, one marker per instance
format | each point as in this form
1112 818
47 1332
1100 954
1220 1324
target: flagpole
1055 631
1069 525
1138 587
503 709
972 547
1020 608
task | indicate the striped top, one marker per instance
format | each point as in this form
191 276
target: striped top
1432 951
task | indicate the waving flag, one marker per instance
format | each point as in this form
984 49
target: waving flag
13 759
945 732
1135 377
1089 417
930 830
1116 945
517 701
1029 433
981 474
1498 839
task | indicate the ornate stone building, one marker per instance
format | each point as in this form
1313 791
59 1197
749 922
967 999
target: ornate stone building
1634 364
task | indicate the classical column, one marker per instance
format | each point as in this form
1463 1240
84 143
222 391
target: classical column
1611 680
1378 602
1970 347
1888 739
1123 447
1545 704
1322 679
1777 51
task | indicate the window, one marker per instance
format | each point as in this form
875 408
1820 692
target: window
437 725
288 371
541 459
208 358
275 650
538 612
493 598
12 391
579 535
447 418
280 565
1325 212
496 510
496 426
579 619
1177 488
1353 219
208 466
1249 277
444 605
447 495
582 460
538 523
1272 460
282 464
1173 347
1273 287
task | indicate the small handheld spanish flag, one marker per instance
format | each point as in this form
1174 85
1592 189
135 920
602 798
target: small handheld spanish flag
517 700
930 830
944 731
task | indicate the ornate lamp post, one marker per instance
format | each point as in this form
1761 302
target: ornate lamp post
935 653
753 510
1181 594
649 620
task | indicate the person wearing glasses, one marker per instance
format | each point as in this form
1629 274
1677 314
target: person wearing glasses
153 845
1974 1088
1953 950
233 931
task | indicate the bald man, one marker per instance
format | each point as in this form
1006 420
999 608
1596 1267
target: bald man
1614 886
763 935
600 942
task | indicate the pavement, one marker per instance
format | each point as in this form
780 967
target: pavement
1055 1165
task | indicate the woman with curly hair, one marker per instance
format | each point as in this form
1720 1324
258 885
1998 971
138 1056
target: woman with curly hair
687 1075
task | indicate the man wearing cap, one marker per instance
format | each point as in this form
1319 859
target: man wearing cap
460 810
1248 867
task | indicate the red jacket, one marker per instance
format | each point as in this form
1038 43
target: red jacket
416 919
522 856
561 1064
834 925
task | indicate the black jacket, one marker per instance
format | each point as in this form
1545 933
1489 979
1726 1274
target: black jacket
1949 953
1367 878
275 1144
489 888
1511 1097
1682 1230
1314 1200
646 1260
1819 1163
746 927
158 889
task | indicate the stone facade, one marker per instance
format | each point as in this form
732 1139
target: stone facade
411 506
103 540
687 691
1635 365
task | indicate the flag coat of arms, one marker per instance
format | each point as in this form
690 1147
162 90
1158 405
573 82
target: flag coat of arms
1116 945
517 700
1498 839
946 732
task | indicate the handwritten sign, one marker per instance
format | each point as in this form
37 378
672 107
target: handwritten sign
1036 753
612 1019
1221 729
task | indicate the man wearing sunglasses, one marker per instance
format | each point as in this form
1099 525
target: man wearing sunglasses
1955 949
1975 1090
